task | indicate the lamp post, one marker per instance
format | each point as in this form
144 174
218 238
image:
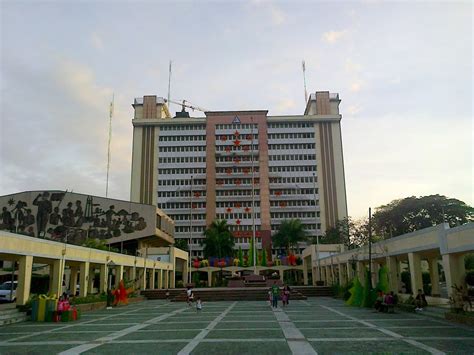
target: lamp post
190 229
316 225
253 205
370 247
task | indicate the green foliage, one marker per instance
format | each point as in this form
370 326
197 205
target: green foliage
383 284
181 243
219 241
241 256
196 280
289 234
470 277
469 261
250 255
340 233
90 299
357 293
264 257
100 244
414 213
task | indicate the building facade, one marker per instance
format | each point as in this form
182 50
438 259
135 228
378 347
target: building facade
246 167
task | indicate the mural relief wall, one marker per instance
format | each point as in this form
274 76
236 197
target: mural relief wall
65 216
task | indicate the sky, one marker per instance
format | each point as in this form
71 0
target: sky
403 71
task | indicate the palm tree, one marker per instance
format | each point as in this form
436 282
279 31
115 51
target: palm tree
219 241
291 232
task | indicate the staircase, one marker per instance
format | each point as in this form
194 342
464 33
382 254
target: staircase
9 315
161 294
314 291
221 294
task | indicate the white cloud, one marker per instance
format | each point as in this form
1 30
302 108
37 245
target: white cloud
278 16
354 109
356 86
97 41
333 36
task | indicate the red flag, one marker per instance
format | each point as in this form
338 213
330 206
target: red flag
237 222
237 142
238 205
236 133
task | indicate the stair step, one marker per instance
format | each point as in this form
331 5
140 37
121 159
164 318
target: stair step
21 317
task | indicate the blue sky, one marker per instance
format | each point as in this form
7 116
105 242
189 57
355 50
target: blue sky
403 71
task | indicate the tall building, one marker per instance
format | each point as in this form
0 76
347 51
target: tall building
198 169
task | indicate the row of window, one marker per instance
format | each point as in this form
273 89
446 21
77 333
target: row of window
290 135
180 205
181 182
185 217
284 168
292 203
290 124
234 148
236 170
183 127
236 160
182 171
183 148
242 204
292 146
307 226
283 192
169 160
237 126
182 138
183 193
237 192
292 157
247 138
288 215
185 229
292 179
232 217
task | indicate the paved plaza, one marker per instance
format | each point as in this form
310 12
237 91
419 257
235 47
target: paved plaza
318 325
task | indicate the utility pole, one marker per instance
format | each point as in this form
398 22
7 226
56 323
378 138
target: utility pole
190 229
253 206
316 226
370 247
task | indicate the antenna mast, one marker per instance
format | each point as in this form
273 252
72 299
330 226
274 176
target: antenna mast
111 113
169 83
304 81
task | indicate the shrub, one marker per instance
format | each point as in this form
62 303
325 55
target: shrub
470 278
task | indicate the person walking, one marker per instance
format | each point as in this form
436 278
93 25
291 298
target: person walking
275 294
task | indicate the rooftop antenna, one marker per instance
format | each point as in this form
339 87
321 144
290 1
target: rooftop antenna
304 81
111 113
169 84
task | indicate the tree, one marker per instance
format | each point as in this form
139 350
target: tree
414 213
289 234
219 241
340 233
181 243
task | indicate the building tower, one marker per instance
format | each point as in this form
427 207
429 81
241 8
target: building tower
297 159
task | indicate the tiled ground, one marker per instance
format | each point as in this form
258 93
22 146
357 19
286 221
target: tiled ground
319 325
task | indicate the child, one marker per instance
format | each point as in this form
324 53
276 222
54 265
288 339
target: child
284 297
198 304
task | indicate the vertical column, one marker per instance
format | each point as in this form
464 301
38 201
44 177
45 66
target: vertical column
454 270
73 280
118 274
185 273
57 271
103 278
342 278
91 279
305 272
349 272
434 276
314 275
414 262
209 278
151 280
332 276
392 273
173 278
375 273
167 284
25 269
83 278
142 279
160 278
